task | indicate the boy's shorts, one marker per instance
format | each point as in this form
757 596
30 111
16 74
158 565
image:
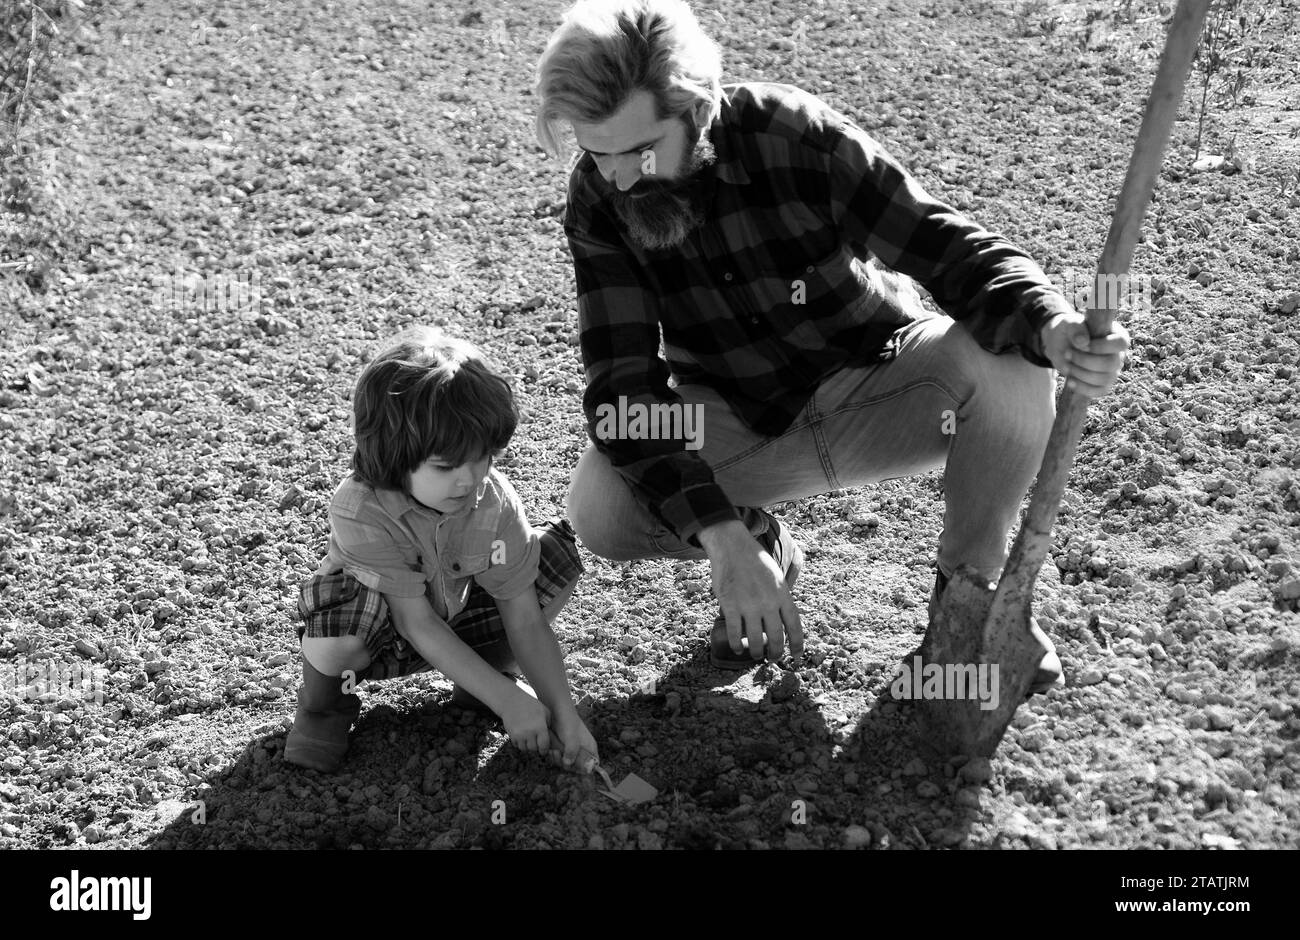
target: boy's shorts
340 605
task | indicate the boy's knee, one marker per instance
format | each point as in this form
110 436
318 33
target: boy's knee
552 608
333 655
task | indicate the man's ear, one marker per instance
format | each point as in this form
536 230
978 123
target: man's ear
700 113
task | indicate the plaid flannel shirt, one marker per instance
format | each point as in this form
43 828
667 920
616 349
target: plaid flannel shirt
779 287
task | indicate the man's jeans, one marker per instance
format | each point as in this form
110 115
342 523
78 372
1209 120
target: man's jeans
862 425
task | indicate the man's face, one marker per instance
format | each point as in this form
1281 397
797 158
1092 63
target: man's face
650 165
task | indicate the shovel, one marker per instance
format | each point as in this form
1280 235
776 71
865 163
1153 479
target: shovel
632 790
975 623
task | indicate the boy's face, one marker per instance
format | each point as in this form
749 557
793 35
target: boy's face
439 485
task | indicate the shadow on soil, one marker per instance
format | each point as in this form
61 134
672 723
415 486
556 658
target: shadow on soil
733 768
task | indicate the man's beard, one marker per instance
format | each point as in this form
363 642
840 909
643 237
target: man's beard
662 214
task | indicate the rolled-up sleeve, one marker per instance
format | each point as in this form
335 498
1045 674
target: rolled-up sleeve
516 549
367 550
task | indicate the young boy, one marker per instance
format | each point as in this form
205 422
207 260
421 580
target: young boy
432 563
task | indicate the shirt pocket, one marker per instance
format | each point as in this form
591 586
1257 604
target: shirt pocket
461 565
458 571
803 299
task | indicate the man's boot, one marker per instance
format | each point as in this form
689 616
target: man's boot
1051 674
319 738
778 543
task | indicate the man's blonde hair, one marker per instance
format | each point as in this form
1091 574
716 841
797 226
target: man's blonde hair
604 50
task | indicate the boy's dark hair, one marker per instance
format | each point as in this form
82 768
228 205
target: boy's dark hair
427 393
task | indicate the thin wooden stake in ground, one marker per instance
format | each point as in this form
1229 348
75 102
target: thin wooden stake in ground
975 624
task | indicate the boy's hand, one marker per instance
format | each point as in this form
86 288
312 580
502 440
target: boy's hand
526 721
575 738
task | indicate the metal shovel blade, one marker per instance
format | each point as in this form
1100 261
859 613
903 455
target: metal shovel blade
976 626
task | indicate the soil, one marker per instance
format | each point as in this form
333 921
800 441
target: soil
261 192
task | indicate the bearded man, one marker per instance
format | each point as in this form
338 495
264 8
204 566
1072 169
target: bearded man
772 246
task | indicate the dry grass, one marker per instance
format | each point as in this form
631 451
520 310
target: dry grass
35 37
29 34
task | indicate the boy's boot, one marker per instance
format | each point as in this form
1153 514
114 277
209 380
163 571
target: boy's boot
778 543
319 738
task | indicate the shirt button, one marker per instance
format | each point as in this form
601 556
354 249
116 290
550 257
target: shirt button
455 566
809 270
727 276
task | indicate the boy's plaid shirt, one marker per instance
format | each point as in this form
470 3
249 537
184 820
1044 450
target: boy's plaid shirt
395 545
778 288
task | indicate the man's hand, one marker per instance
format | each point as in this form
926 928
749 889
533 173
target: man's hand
1089 366
751 591
526 721
572 734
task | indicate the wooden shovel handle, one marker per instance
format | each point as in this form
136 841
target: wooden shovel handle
1034 539
1144 167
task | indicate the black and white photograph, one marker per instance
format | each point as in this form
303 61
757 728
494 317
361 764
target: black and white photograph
651 425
